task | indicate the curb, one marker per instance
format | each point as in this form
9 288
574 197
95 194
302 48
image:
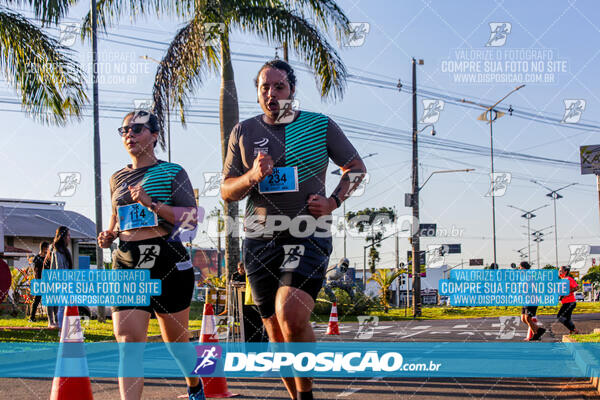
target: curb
579 356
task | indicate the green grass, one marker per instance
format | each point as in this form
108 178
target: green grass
443 312
590 338
95 331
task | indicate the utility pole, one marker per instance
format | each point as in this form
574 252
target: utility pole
97 168
528 215
554 196
538 238
416 260
493 115
397 259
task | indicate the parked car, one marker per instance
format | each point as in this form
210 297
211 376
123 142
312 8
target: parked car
579 296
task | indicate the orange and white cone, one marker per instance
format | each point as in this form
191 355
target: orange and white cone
529 331
333 328
215 387
71 358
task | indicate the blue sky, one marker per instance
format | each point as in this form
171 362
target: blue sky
32 155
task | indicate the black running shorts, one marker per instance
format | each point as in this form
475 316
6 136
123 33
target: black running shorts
531 310
295 262
168 261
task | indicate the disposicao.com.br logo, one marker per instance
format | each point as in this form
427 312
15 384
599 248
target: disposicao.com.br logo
370 361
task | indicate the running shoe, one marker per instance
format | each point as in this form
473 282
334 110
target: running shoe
538 334
199 395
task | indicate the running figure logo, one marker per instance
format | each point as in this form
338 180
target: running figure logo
293 253
68 34
573 110
435 255
508 327
499 33
358 34
74 330
579 255
223 322
431 111
148 255
208 355
286 111
212 33
212 184
142 104
366 326
357 190
68 183
186 223
499 183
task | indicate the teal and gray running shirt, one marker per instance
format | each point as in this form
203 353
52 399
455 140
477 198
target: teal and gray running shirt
164 182
306 143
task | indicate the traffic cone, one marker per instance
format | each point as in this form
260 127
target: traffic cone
215 387
529 331
333 328
71 361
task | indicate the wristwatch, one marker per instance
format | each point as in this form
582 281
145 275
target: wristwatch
154 207
337 200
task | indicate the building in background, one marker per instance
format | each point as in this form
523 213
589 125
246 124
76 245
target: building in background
24 224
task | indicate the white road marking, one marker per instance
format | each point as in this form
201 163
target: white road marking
460 326
351 391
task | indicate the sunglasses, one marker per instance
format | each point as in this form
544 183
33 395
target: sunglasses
136 129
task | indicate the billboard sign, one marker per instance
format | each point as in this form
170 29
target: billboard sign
590 159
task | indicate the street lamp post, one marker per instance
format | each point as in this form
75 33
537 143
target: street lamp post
493 115
168 110
554 196
538 234
528 215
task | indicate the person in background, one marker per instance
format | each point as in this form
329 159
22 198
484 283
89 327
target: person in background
568 302
528 312
254 330
59 258
39 264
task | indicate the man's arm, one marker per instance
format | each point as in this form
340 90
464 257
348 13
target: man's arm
352 174
235 188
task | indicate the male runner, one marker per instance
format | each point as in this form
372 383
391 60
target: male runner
528 312
281 168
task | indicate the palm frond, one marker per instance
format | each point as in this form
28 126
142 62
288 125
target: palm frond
183 68
276 24
50 83
326 14
49 11
109 11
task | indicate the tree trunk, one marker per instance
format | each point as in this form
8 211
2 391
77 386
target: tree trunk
229 117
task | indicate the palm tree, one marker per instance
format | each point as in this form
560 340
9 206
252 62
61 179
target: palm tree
385 278
189 60
49 82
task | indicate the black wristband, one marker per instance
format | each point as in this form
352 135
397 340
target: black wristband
337 200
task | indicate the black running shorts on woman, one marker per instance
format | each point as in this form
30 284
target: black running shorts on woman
167 261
